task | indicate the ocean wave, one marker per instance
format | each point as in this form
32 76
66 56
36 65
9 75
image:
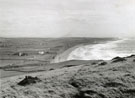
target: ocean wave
96 52
101 51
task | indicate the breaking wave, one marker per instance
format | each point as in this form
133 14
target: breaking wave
104 51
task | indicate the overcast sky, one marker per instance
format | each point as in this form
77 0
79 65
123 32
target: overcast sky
67 18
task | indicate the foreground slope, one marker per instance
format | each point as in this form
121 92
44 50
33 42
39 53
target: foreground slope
99 79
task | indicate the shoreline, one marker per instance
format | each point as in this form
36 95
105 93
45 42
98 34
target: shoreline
64 55
51 48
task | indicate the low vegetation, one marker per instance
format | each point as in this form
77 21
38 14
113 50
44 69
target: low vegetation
112 80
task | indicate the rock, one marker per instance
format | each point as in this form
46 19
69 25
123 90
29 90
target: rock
118 59
29 80
131 56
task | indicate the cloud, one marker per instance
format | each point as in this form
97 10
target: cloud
49 18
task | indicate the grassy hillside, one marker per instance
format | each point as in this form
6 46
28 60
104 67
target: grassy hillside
93 79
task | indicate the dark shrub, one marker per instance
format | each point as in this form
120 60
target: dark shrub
102 63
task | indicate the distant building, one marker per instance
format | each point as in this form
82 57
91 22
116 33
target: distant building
20 54
41 52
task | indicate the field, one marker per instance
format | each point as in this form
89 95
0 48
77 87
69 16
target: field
28 70
26 55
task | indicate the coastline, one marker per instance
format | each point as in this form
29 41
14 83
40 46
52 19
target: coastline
64 56
73 78
33 61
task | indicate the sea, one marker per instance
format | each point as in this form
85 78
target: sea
104 51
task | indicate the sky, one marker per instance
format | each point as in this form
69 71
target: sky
67 18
